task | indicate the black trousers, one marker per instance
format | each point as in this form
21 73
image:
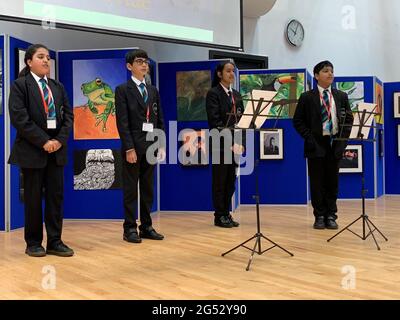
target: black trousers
143 172
324 183
223 187
52 179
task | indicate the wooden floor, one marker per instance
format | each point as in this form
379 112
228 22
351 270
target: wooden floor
188 263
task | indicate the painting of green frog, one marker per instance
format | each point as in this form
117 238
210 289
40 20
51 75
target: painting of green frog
99 93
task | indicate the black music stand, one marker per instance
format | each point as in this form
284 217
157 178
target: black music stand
256 113
366 221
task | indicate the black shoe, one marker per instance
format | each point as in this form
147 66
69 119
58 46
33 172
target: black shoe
60 249
150 233
234 223
132 237
331 224
223 222
319 223
35 251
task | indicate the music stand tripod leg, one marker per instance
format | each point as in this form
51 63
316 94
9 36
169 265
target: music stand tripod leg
277 245
239 245
383 236
345 228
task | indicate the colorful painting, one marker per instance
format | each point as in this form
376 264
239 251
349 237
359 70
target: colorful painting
379 118
191 92
351 161
193 151
271 144
97 169
288 86
355 91
94 101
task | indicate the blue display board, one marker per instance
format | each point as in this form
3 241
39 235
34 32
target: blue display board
182 188
93 204
17 208
280 181
350 183
2 107
379 144
392 158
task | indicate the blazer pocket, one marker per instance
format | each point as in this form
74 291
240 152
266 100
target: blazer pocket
309 144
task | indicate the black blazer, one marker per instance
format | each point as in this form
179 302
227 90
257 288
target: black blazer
308 123
28 116
131 114
218 105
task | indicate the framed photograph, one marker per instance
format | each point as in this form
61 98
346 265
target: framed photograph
351 161
396 105
194 148
271 144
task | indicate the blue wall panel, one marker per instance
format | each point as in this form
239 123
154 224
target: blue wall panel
280 181
350 183
392 160
2 131
380 160
91 204
182 188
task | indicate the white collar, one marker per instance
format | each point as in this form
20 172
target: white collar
321 90
37 78
137 81
226 89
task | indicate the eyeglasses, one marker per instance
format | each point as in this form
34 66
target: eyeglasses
141 61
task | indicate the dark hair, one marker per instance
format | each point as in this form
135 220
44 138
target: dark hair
220 67
30 52
322 65
270 140
137 53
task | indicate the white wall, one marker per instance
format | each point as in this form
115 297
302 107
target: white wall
62 39
368 49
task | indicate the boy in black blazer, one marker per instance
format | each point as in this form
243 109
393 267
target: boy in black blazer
138 113
322 115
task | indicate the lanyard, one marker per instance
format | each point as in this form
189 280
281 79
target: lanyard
148 113
233 104
329 107
46 106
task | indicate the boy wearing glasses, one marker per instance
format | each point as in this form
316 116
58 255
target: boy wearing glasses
138 113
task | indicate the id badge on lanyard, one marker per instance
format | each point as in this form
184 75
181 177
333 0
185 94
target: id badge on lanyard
148 126
51 121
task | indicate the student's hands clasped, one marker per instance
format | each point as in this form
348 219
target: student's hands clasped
237 149
52 146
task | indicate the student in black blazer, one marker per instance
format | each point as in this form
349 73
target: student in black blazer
138 114
224 107
41 114
322 115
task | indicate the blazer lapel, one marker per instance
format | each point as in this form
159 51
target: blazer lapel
317 102
55 91
337 103
133 89
34 91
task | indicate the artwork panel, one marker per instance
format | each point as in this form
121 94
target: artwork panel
191 92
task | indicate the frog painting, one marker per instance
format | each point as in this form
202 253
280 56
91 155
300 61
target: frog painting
94 100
